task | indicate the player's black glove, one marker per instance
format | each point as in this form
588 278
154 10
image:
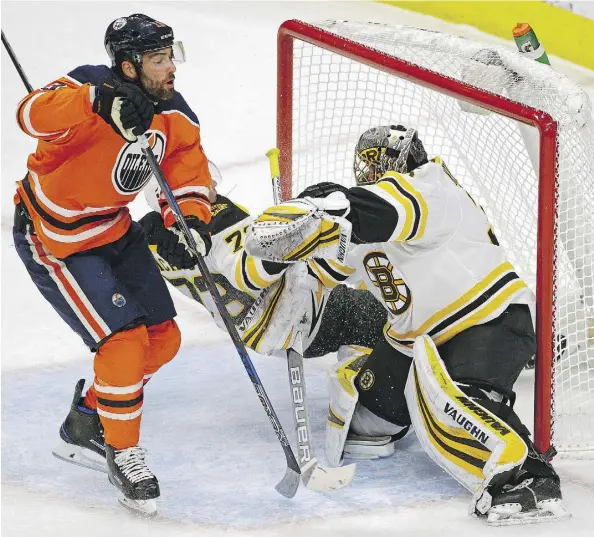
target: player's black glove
321 190
172 246
125 107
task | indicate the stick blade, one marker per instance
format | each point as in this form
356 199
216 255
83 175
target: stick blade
323 479
289 484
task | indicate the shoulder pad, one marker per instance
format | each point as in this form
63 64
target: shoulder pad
225 214
90 73
179 104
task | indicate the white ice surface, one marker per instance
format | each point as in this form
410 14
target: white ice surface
209 441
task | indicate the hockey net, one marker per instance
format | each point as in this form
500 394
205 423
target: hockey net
516 134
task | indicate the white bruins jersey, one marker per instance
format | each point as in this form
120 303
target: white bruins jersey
426 250
274 306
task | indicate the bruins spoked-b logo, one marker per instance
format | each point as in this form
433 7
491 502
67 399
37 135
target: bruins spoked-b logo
366 380
132 171
395 292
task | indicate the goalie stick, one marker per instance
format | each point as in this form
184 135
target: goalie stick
314 476
290 482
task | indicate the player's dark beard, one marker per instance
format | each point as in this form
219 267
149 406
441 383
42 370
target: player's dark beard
155 90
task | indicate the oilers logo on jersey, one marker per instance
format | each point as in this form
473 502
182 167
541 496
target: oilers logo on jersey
132 172
395 292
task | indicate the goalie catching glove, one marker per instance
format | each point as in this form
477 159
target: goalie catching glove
173 248
303 228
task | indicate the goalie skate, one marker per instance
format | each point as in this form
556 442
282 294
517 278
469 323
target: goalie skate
138 488
533 500
371 447
81 436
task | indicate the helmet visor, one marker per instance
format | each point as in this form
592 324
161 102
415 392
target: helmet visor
179 52
160 57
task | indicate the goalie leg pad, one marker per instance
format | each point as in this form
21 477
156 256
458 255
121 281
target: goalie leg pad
472 444
353 430
343 399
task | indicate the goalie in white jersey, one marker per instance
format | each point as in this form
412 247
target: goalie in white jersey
459 326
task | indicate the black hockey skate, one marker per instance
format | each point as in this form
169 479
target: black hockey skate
81 435
533 499
137 485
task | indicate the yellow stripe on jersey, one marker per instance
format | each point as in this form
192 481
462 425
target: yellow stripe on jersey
482 313
408 208
489 294
423 207
413 202
242 208
515 448
240 284
253 336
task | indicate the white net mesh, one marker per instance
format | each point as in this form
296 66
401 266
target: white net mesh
335 99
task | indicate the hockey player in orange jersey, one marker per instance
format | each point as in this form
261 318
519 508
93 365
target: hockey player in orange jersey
88 258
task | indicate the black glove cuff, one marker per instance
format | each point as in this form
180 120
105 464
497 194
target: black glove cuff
322 190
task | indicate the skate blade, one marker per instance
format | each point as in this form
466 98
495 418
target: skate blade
147 508
511 514
79 456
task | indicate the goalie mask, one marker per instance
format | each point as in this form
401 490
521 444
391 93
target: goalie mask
389 148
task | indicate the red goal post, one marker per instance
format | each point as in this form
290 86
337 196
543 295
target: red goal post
338 43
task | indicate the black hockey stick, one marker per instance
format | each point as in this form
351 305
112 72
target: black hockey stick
16 63
290 482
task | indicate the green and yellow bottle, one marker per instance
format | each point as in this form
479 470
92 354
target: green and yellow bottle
528 44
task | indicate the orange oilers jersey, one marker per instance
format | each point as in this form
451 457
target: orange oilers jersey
83 174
